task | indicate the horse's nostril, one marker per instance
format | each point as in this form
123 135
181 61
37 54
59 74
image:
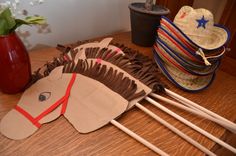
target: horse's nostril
44 96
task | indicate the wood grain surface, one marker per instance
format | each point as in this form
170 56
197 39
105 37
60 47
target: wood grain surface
59 138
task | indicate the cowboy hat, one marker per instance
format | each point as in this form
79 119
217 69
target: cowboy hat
170 27
187 82
171 57
198 25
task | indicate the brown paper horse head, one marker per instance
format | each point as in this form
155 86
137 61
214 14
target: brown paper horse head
135 65
130 62
87 93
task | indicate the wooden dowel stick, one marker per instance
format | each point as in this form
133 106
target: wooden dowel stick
193 126
138 138
175 130
194 111
186 101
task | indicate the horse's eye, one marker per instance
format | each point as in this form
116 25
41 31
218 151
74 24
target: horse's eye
44 96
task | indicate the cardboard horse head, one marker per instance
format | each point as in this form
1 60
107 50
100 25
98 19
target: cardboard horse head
89 93
134 65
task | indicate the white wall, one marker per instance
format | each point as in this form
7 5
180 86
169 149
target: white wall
215 6
72 20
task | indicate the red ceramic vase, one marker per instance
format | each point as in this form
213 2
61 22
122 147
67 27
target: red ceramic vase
15 68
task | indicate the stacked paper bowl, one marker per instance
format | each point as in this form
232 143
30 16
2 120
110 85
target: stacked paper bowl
186 64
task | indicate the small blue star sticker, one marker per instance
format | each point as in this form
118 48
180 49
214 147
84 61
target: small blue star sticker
202 22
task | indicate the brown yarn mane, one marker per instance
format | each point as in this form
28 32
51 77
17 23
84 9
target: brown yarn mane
111 78
133 67
46 69
139 66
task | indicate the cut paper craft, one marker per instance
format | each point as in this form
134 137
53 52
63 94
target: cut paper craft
104 54
82 92
144 78
93 105
114 57
100 82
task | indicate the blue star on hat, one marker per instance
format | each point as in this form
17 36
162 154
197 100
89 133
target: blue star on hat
202 22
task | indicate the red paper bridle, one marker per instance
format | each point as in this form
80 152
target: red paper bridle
63 101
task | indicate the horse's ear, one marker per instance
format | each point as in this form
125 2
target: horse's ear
56 73
105 42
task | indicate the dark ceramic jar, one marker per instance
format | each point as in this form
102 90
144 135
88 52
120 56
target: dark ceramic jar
144 23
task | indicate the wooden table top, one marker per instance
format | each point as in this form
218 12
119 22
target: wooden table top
60 138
